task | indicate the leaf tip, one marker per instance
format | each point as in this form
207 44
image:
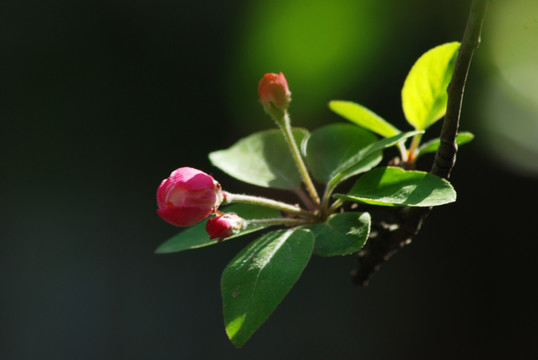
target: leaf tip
233 331
161 249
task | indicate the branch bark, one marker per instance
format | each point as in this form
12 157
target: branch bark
387 238
445 158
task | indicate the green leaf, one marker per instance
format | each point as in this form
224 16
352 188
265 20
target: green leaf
361 160
433 145
196 236
262 159
364 117
341 234
259 277
331 146
393 186
424 93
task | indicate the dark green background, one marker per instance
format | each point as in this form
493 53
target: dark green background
101 100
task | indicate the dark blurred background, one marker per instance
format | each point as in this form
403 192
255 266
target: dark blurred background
101 100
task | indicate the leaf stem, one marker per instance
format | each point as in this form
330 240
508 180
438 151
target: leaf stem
325 210
305 199
325 200
285 126
335 206
411 154
257 200
403 151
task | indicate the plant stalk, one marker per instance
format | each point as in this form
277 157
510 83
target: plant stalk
278 221
288 135
257 200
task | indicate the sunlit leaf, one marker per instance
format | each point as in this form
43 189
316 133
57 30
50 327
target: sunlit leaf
364 117
259 277
424 93
393 186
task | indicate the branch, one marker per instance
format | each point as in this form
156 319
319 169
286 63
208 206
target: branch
445 158
388 237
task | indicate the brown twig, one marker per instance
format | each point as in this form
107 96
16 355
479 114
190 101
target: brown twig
445 157
388 237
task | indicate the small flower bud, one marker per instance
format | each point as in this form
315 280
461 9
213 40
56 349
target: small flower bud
274 94
188 196
223 226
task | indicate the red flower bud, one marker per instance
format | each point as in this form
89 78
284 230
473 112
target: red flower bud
223 226
188 196
273 90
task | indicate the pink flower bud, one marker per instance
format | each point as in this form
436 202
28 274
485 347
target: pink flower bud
223 226
273 90
188 196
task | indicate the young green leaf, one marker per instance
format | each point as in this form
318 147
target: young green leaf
341 234
424 93
433 145
261 159
259 277
196 236
393 186
328 147
364 117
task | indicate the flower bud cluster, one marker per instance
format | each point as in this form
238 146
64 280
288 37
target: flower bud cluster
189 196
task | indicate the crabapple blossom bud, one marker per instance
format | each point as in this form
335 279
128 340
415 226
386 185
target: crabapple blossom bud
274 94
188 196
224 225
